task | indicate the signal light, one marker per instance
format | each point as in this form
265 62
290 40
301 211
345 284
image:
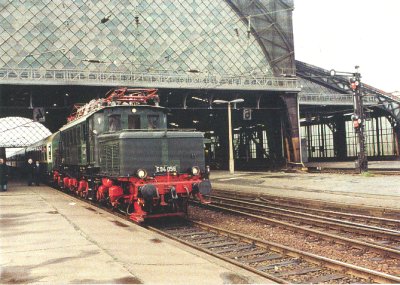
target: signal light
354 83
357 123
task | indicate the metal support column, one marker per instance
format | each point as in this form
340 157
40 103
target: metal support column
292 139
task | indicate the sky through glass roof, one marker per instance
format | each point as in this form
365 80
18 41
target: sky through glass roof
20 132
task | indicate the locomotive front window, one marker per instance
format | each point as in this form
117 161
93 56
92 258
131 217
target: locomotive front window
133 122
114 123
153 122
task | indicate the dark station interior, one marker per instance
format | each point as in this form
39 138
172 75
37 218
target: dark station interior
257 138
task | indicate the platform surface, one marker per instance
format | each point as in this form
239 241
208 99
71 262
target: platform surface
365 190
49 237
372 165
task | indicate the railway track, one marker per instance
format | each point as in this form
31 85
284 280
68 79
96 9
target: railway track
277 262
274 261
316 205
348 214
385 242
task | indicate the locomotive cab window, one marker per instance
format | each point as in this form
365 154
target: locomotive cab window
114 123
133 122
153 122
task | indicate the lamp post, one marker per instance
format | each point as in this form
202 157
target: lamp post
231 159
358 118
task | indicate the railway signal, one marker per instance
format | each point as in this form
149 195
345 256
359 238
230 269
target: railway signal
359 122
358 117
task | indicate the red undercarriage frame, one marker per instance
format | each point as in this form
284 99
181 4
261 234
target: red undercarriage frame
112 190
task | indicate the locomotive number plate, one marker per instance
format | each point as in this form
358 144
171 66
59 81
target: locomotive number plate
166 168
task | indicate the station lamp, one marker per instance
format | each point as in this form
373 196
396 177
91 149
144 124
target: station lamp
231 160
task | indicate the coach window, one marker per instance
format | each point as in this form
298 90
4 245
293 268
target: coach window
74 136
71 137
153 122
78 135
114 123
84 131
49 153
133 122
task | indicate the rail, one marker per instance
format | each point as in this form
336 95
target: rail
146 80
296 224
277 262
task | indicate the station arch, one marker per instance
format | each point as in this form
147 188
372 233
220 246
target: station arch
19 132
204 49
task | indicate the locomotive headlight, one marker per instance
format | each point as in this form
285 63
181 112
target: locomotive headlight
141 173
195 170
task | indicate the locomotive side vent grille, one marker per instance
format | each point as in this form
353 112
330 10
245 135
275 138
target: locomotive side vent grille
110 162
115 159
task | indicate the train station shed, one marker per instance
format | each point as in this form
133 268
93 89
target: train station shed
56 54
227 74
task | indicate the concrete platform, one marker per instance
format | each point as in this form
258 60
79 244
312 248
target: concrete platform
366 190
49 237
372 165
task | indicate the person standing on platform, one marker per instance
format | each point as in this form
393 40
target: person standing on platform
3 175
30 171
36 173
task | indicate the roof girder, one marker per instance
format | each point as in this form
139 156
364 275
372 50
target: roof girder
273 32
340 83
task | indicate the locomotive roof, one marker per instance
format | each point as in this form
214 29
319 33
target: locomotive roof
131 97
84 117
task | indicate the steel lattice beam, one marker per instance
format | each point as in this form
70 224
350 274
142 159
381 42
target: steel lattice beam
340 84
271 24
158 80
